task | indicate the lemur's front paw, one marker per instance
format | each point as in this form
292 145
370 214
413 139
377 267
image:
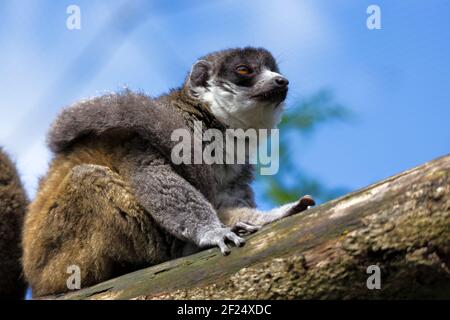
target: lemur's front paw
217 237
302 204
245 228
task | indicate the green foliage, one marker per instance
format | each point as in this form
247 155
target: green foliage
306 115
302 119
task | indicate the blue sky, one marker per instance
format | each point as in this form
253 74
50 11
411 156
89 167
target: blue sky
396 80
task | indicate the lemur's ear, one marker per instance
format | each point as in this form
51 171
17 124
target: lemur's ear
200 73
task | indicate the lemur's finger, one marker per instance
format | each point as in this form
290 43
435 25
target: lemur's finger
252 227
223 247
245 227
238 241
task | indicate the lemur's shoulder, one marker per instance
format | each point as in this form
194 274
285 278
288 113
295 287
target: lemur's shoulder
126 110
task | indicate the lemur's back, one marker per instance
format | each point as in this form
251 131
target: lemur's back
84 190
92 150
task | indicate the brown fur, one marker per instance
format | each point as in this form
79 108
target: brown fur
85 214
13 204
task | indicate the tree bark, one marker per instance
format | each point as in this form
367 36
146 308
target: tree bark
401 225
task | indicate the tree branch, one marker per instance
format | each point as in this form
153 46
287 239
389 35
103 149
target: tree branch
401 224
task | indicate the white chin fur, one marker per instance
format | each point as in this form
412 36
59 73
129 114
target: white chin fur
236 110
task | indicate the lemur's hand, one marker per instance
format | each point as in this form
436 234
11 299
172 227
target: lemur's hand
302 204
245 228
218 236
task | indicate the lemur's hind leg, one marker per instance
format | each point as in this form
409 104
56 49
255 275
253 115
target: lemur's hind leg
245 220
94 223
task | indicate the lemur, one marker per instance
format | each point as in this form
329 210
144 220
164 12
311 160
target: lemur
113 201
13 202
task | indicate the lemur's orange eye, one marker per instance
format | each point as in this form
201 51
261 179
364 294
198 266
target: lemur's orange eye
243 69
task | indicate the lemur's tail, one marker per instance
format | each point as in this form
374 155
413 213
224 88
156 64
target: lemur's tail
13 202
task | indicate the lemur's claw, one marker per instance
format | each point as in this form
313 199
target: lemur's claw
223 248
302 205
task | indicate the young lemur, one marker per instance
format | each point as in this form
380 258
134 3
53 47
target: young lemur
13 203
113 201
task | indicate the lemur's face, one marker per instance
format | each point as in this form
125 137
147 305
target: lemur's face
243 87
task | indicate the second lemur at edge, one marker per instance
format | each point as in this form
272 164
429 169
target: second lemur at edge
112 201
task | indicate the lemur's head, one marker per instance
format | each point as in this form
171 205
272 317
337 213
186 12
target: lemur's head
243 87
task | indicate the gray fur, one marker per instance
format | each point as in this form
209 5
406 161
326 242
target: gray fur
154 120
190 216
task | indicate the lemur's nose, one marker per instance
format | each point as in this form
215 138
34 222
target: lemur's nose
281 82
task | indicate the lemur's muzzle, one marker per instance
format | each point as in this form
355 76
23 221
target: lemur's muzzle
273 91
281 82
